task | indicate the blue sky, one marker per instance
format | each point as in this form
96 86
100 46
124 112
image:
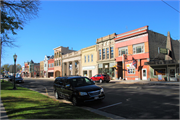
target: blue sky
77 24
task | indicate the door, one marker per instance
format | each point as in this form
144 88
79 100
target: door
172 76
144 74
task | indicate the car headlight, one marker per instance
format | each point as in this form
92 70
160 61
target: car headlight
102 90
82 93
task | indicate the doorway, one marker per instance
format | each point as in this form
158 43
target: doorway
144 74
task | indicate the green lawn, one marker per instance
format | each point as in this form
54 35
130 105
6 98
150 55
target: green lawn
26 104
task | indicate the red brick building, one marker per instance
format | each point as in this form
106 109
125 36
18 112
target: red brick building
51 68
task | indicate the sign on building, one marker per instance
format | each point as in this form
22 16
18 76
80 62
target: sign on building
162 51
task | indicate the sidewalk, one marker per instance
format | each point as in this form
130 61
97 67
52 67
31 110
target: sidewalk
3 112
145 82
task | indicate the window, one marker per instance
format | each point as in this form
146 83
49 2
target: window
44 65
91 57
49 65
122 51
88 58
59 63
59 54
103 53
99 54
85 59
131 71
139 48
112 52
52 64
160 71
107 53
55 55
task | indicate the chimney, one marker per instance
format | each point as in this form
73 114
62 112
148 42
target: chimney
169 47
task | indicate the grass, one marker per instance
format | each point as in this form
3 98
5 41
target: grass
26 104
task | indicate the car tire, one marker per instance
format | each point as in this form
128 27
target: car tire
100 81
56 95
75 101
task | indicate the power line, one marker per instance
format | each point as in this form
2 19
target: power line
170 6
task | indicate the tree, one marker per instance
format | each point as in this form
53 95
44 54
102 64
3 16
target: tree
14 14
18 67
6 67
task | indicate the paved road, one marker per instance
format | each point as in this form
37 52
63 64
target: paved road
128 101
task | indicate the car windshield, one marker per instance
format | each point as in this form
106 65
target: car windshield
77 82
18 77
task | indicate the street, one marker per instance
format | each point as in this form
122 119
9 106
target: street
125 100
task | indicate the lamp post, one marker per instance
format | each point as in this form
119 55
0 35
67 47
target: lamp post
15 57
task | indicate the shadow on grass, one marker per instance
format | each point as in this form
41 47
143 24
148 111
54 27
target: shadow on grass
27 108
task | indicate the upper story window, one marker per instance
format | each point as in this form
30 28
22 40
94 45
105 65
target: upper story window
59 63
123 50
88 58
103 53
91 57
44 65
107 52
99 54
138 48
112 52
55 55
85 59
59 54
52 64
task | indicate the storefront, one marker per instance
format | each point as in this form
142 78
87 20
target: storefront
165 70
107 68
89 71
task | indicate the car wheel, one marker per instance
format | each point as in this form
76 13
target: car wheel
56 95
100 81
75 101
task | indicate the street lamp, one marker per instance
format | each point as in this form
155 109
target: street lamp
15 57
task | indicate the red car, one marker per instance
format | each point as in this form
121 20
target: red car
101 78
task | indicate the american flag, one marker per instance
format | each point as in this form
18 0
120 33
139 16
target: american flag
135 63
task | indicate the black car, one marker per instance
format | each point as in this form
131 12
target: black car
77 89
19 79
10 78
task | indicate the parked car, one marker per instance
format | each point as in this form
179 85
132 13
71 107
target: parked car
101 78
10 78
19 79
77 89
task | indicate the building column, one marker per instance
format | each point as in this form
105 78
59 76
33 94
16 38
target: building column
63 70
67 68
73 68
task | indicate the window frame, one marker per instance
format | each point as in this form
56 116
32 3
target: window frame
141 46
112 52
131 69
100 54
104 53
160 69
120 50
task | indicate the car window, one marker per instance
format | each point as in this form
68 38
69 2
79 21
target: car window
61 81
99 75
77 82
95 76
66 82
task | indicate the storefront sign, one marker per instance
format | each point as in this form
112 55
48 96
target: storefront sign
163 51
88 67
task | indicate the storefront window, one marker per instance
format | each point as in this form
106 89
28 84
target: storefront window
84 73
159 71
131 71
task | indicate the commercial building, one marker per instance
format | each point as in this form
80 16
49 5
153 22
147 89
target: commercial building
58 59
106 55
72 63
42 69
51 67
136 52
89 61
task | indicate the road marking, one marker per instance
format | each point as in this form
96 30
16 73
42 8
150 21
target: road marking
109 105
